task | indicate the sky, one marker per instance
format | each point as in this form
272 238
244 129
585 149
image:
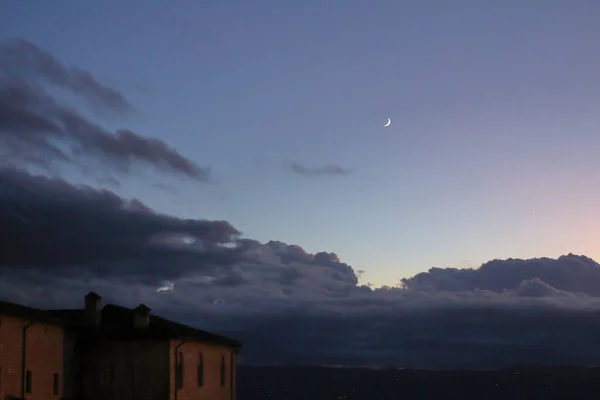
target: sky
251 138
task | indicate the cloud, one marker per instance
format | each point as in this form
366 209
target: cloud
21 58
37 129
286 304
55 228
577 274
165 188
329 169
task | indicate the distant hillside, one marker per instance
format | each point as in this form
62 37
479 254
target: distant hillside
321 383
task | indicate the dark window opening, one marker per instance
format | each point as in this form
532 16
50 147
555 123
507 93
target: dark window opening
55 385
179 371
222 371
111 370
200 370
28 379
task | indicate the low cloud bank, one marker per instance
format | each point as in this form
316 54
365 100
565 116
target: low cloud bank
289 306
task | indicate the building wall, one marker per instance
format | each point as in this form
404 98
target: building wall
11 331
70 365
233 369
125 370
44 358
211 354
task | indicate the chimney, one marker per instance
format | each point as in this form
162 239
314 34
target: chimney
141 316
93 309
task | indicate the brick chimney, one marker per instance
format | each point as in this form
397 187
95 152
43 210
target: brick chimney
141 316
93 309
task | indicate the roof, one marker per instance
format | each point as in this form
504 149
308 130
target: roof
117 323
30 313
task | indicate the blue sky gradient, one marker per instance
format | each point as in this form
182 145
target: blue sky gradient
492 151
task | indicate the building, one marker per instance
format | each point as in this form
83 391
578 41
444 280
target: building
31 353
111 352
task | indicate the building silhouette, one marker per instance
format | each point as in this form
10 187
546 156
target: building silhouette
110 353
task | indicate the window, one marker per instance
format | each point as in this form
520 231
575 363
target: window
28 382
179 371
200 370
222 371
55 384
111 370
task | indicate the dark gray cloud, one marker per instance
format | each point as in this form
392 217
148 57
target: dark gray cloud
500 275
329 169
57 228
286 304
37 129
20 58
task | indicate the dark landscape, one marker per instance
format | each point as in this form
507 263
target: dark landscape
323 383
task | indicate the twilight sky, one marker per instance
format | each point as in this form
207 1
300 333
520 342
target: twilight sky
491 153
269 120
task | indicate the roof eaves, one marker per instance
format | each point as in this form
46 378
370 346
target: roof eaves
30 313
221 340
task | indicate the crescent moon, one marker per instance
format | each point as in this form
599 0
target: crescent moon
388 122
